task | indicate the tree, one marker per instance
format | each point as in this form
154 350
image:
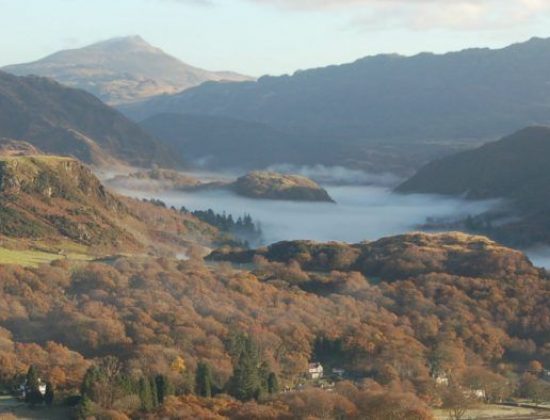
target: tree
32 393
456 401
245 384
145 394
85 408
535 366
164 388
203 380
272 383
49 395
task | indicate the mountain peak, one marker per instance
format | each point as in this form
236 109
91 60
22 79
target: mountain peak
121 70
124 43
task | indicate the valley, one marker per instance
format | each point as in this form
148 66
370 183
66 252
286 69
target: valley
357 239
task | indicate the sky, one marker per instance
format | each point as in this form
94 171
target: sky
257 37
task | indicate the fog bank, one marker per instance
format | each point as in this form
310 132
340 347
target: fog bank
361 213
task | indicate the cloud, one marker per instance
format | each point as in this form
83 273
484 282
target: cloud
427 14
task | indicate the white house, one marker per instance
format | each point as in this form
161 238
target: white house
315 371
23 389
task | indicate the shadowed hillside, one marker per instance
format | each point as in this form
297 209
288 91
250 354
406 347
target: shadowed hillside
66 121
387 105
514 168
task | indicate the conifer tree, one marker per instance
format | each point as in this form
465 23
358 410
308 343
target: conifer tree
145 394
203 380
272 383
246 383
164 388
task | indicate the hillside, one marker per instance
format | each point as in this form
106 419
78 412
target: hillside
395 258
430 307
226 143
514 168
121 70
56 204
388 103
70 122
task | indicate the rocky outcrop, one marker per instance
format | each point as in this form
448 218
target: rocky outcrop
276 186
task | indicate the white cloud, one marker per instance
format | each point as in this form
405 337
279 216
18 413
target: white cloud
429 14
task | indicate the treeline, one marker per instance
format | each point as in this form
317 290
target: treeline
243 228
110 384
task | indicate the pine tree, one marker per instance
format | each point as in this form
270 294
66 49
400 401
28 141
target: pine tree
272 383
164 388
203 380
49 396
154 394
264 372
246 384
145 394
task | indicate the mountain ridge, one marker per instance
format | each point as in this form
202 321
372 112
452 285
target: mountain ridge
120 70
360 108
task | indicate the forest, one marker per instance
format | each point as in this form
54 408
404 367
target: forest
410 320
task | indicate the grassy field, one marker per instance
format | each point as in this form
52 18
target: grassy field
33 258
495 412
10 406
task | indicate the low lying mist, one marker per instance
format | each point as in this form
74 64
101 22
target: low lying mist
361 213
338 175
539 256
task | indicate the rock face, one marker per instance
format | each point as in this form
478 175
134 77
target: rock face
121 70
53 202
275 186
65 121
50 197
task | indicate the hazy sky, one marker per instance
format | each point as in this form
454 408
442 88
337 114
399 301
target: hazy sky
269 36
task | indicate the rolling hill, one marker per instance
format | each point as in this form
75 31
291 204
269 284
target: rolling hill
61 120
121 70
388 103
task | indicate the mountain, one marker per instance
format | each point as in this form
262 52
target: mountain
387 103
219 142
66 121
56 203
514 168
121 70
